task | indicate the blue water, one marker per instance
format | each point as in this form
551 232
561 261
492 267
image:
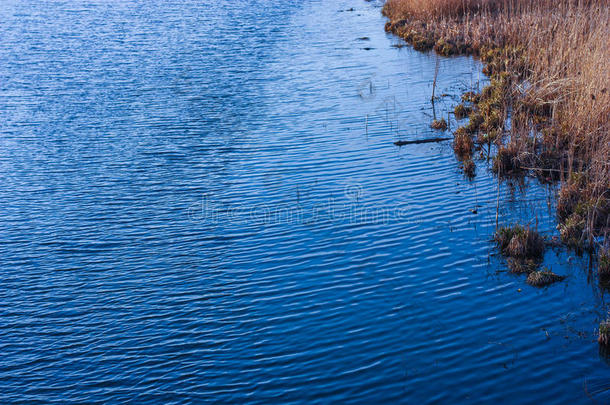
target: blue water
201 201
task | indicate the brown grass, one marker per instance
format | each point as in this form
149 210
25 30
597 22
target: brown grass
462 144
433 8
550 70
604 333
469 168
543 278
508 161
439 124
521 266
461 111
520 242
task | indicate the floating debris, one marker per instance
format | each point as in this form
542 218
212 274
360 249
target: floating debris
417 141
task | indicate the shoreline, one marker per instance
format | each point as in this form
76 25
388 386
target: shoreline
545 113
524 131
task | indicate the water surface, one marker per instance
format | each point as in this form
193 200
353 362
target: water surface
202 201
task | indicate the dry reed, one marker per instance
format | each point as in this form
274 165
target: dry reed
550 70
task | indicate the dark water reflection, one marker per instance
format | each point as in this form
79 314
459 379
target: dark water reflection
202 201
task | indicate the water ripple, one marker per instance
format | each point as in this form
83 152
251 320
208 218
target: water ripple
202 201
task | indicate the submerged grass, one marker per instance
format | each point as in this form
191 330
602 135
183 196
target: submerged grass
550 78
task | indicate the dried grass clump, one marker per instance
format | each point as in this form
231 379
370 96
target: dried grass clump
461 111
507 161
521 266
439 124
469 168
604 333
520 242
583 212
446 47
462 144
569 195
543 278
475 119
471 97
572 231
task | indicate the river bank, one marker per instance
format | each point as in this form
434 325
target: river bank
546 112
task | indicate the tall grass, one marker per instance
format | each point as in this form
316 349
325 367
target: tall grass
436 8
556 56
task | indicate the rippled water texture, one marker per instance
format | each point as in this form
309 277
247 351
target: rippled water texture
201 200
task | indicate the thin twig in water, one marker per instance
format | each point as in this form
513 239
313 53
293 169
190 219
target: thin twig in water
436 67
